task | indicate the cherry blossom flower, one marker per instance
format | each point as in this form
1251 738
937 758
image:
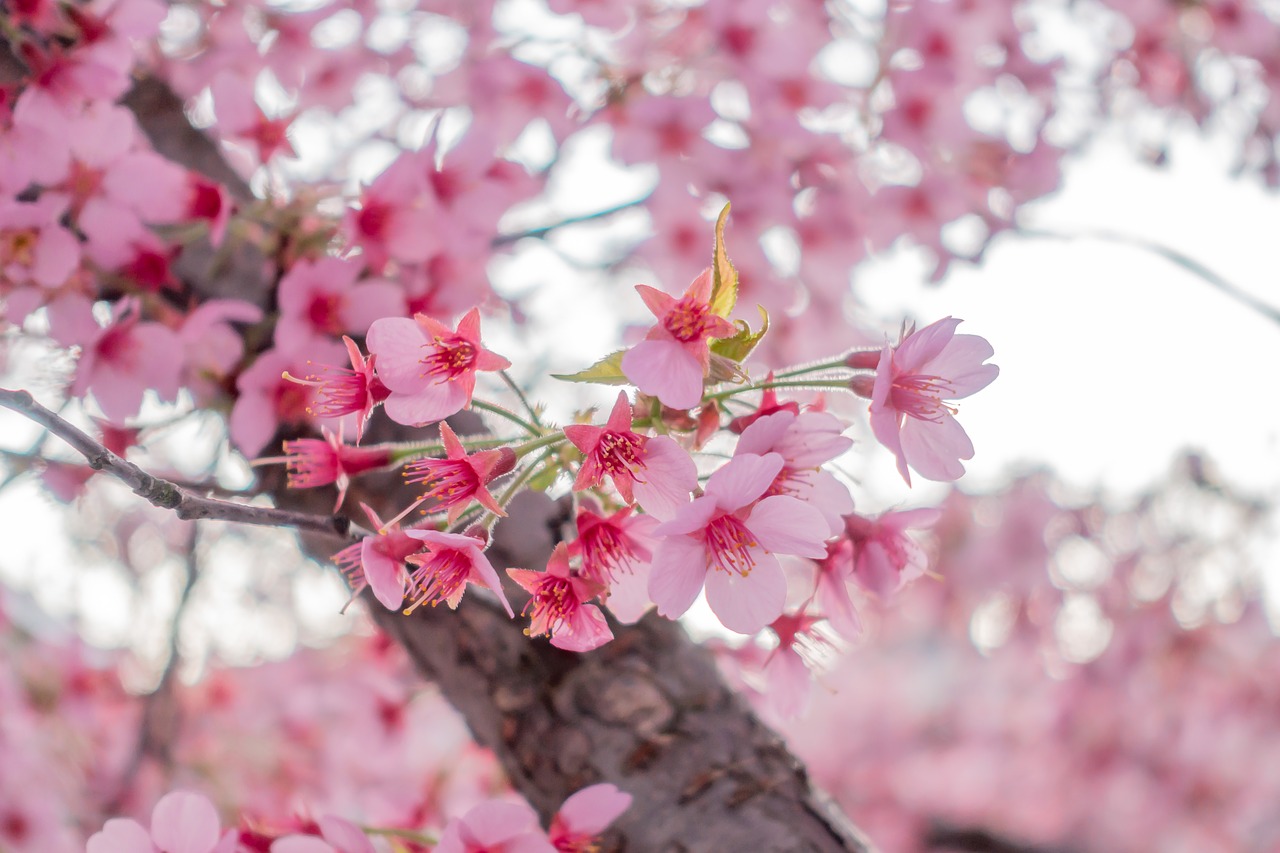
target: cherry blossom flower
577 825
495 827
119 361
266 399
34 247
885 557
377 561
768 405
430 368
912 380
458 479
612 545
342 391
452 561
397 214
323 299
727 539
559 604
314 462
672 360
787 670
181 822
805 442
653 470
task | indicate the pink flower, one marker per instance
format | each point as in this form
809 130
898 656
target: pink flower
559 603
377 561
314 462
614 544
672 360
181 822
458 479
120 361
805 443
768 405
495 827
322 299
452 561
576 827
266 399
787 669
34 247
912 379
727 539
430 369
885 558
653 470
341 391
397 214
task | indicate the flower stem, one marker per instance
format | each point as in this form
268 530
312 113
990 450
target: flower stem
524 401
549 440
412 450
514 486
811 368
508 414
840 384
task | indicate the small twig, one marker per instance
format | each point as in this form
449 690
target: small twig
163 493
1172 255
24 461
506 239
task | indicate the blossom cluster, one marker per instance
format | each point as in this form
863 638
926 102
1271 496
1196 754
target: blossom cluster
658 521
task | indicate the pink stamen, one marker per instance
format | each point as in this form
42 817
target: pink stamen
729 545
449 359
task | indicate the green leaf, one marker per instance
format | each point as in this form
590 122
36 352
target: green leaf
724 278
738 347
606 371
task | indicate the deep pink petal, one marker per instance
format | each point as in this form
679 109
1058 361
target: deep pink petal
743 479
665 370
747 604
385 575
588 630
679 569
655 300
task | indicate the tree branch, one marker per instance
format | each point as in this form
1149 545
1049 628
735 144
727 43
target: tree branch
163 493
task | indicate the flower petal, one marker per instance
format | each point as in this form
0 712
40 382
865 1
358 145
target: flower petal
665 370
785 525
668 477
747 604
183 822
743 479
679 569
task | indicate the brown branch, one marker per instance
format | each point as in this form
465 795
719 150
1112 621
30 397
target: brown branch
163 493
966 839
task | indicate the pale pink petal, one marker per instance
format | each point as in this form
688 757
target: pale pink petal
961 365
830 497
345 835
253 422
785 525
815 438
789 684
923 345
494 822
764 435
679 569
885 425
588 630
428 405
629 594
183 822
398 343
385 575
837 605
665 370
743 479
591 810
121 835
409 235
747 604
57 255
367 303
692 518
488 576
934 448
668 477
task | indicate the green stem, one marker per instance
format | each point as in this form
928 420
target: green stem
506 413
762 386
812 368
524 401
545 441
407 834
412 450
514 486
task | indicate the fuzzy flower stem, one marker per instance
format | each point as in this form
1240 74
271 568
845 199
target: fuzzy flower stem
816 367
524 401
840 384
538 443
508 414
413 450
519 481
